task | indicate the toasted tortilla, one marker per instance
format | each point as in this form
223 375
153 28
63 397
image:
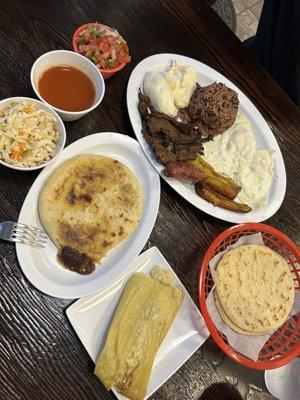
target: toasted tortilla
91 203
255 289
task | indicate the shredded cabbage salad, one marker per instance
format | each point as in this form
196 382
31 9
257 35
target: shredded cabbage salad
28 135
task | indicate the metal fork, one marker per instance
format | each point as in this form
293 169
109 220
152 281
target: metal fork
21 233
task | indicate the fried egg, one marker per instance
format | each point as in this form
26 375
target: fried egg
234 154
231 149
256 179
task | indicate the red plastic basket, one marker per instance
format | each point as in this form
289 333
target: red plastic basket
284 345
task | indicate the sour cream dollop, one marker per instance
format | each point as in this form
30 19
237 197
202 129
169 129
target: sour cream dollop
171 89
182 80
160 94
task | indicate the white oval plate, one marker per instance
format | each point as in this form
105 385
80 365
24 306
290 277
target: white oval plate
263 135
40 265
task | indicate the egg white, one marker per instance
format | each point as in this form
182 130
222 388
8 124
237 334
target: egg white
234 154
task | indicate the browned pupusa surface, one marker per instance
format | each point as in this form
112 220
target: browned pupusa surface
91 203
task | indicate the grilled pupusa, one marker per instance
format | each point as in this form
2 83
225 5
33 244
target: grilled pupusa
87 206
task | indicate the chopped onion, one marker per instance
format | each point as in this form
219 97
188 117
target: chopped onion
107 32
113 54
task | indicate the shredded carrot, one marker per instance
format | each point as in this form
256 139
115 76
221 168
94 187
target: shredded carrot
18 153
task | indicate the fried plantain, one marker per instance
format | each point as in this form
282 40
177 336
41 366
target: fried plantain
221 201
216 182
202 165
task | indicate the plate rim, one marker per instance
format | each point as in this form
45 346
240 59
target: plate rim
23 251
217 212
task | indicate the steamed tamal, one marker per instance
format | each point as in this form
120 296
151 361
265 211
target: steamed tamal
144 315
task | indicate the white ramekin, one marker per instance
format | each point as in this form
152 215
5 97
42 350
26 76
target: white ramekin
59 124
65 57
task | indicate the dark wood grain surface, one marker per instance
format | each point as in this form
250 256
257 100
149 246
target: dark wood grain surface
40 354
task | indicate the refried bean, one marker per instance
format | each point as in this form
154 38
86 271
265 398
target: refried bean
75 261
213 108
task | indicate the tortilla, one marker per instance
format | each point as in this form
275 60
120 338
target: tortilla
90 203
255 288
230 323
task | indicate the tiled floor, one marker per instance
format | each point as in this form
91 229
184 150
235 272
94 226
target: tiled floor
247 15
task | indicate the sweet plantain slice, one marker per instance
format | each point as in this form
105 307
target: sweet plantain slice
203 166
217 185
216 182
221 201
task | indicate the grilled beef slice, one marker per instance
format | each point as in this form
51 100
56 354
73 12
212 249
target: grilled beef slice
169 139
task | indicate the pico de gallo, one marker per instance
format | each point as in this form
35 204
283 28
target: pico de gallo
103 45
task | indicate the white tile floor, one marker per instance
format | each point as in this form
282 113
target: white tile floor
247 15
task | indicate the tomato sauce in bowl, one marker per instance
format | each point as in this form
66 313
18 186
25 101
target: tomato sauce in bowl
66 88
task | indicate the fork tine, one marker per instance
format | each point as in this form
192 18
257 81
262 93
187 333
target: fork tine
30 231
13 239
29 227
28 237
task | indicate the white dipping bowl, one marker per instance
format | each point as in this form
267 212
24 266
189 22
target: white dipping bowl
65 57
59 124
284 382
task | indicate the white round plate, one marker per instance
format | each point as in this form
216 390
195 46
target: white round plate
284 382
40 265
263 135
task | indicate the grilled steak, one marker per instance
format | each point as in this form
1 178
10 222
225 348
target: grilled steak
170 140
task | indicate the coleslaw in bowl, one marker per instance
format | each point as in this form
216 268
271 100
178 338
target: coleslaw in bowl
31 133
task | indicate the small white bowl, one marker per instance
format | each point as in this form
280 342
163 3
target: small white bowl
284 382
65 57
59 124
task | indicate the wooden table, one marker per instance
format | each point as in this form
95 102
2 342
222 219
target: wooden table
40 354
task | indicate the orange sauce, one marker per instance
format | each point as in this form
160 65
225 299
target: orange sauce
67 88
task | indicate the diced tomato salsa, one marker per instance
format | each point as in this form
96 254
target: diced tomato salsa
104 46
